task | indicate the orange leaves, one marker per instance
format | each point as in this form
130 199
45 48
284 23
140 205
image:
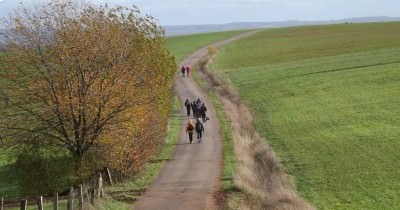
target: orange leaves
97 80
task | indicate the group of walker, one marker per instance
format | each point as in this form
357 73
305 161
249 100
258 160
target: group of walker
199 110
186 70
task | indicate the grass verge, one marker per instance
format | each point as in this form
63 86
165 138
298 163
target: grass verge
122 196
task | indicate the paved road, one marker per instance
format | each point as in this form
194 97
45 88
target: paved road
191 176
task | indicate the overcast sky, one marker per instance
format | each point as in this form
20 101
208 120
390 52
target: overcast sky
188 12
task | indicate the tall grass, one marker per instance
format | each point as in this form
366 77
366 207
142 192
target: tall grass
326 99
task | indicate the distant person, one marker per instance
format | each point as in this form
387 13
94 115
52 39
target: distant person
199 130
203 110
189 129
183 69
188 70
188 105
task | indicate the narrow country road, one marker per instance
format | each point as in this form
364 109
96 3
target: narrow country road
191 176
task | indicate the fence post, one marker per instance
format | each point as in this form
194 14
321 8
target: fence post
2 204
87 194
70 199
80 196
55 201
100 192
93 195
24 204
40 203
109 176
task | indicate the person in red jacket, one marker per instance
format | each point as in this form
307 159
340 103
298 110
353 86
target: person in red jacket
188 69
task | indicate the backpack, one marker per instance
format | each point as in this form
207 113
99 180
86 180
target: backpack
199 126
190 127
187 103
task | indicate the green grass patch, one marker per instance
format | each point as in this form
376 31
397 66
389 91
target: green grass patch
183 46
326 98
8 183
124 194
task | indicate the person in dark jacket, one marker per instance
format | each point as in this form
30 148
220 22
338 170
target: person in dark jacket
183 69
199 130
188 106
194 106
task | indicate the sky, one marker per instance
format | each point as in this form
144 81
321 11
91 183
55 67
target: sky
195 12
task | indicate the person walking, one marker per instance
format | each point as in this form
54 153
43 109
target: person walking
198 110
203 110
199 130
183 69
189 130
194 106
188 70
188 106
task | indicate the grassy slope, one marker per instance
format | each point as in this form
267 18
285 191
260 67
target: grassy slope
326 98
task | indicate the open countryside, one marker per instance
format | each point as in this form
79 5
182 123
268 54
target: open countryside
326 99
93 110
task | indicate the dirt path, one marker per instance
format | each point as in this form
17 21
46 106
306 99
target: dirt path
191 176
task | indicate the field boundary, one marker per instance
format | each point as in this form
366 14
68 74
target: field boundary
259 172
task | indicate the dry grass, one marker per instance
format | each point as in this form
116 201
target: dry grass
259 173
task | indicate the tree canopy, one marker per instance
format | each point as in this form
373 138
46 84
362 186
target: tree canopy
87 80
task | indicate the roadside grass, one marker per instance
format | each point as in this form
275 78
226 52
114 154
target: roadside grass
183 46
232 195
122 196
326 99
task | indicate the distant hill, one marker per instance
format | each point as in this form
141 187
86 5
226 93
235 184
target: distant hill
173 30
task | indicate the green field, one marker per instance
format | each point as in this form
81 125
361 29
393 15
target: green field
327 100
182 46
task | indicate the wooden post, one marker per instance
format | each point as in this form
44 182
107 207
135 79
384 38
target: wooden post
55 201
24 204
100 187
40 203
93 195
2 204
87 194
70 199
109 176
80 196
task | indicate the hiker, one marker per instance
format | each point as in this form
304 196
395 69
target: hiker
183 69
188 106
199 129
198 110
198 101
188 69
189 130
194 109
203 110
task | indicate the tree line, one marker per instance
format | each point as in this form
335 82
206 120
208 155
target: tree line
82 87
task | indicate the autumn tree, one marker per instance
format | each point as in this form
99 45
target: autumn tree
87 80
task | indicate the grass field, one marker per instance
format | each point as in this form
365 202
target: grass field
326 98
182 46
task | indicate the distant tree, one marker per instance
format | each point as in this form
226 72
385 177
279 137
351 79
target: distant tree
75 76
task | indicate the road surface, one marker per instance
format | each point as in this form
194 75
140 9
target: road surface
192 175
